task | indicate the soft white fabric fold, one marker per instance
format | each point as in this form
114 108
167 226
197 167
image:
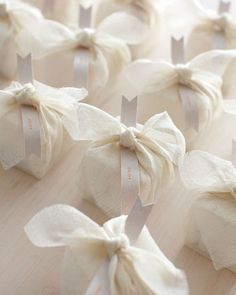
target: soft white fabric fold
136 22
189 17
57 110
140 268
109 55
158 144
158 84
15 17
215 181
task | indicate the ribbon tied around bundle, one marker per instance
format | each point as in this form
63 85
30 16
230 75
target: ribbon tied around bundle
86 241
57 109
201 78
194 15
158 140
105 48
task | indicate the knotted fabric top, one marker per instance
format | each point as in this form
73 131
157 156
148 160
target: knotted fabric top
157 141
192 14
109 54
57 109
203 75
140 268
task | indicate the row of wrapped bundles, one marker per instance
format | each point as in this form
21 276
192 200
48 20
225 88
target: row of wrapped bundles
157 142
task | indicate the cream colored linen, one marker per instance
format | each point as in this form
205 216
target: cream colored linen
16 17
212 224
109 55
140 268
58 117
158 144
157 83
137 21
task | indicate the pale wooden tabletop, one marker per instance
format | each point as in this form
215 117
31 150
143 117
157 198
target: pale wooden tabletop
27 270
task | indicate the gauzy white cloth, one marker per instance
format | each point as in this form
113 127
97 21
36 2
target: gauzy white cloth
158 144
190 18
158 85
64 11
14 17
57 109
109 55
140 268
213 223
136 21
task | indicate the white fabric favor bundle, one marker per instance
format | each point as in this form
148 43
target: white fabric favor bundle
56 118
109 55
15 16
63 11
205 29
212 226
158 145
191 93
132 268
136 21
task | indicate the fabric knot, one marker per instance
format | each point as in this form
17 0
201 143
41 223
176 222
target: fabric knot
184 74
115 245
221 22
128 138
85 37
27 95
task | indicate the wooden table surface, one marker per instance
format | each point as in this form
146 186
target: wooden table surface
27 270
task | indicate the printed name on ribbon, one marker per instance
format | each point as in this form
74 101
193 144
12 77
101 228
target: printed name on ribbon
29 115
130 178
219 41
82 56
129 163
130 187
186 94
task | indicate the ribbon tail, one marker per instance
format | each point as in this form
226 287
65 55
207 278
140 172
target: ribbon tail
136 220
177 50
